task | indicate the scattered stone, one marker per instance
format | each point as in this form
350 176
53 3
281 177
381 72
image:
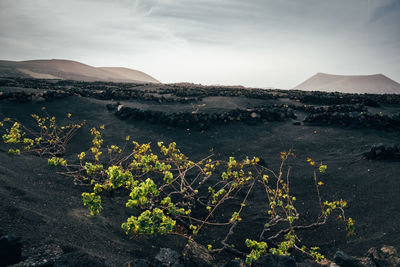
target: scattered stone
38 99
45 255
336 98
196 254
10 249
359 119
382 151
331 109
371 102
254 115
386 256
168 257
201 120
344 260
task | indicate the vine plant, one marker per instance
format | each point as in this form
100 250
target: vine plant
171 194
47 139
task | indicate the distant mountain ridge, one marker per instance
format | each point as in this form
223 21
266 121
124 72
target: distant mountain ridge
372 84
71 70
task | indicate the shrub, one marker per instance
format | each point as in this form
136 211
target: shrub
47 138
171 194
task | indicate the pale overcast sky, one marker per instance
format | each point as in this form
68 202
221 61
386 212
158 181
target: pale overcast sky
260 43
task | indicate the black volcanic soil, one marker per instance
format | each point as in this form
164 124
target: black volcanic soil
46 208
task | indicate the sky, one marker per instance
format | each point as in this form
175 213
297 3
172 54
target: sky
255 43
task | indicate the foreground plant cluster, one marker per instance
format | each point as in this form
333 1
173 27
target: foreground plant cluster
170 194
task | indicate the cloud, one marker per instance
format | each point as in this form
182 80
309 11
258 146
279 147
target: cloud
255 43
